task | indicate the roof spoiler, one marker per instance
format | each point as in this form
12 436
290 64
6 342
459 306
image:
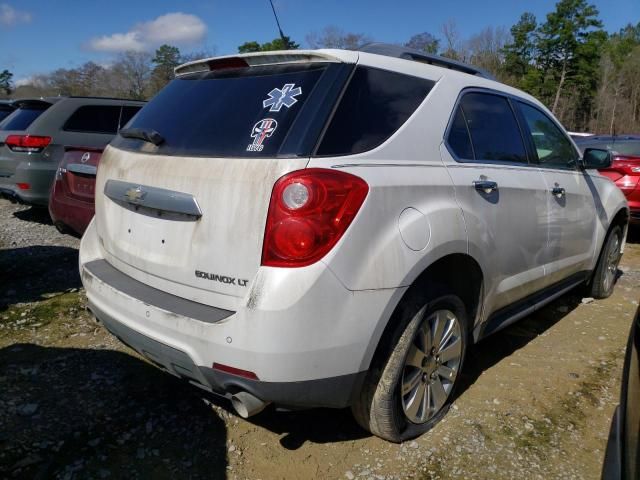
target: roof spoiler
254 59
423 57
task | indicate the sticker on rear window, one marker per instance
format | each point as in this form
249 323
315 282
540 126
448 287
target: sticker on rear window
282 96
261 131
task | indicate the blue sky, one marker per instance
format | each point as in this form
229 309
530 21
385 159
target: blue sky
37 36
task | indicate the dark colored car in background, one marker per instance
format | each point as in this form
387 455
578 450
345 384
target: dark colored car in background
622 458
71 202
34 137
625 165
6 107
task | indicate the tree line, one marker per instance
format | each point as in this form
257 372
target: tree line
587 77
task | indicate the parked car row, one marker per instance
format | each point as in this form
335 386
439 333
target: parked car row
49 149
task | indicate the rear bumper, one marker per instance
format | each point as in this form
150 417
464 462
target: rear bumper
39 176
326 392
312 349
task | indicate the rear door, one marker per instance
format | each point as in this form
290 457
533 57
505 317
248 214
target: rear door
570 196
187 215
503 197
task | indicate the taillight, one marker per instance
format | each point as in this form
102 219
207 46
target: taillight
27 143
309 211
626 164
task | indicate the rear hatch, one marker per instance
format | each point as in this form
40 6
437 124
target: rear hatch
78 168
185 210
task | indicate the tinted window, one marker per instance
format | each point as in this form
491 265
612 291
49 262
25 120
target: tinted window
627 147
458 138
495 134
94 119
127 114
5 110
243 112
375 104
552 146
21 118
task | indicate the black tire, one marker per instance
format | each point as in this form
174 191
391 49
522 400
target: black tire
604 276
379 408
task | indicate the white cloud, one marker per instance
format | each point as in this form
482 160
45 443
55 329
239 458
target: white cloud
9 16
24 81
174 28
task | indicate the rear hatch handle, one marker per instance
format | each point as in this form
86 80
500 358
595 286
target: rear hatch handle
154 198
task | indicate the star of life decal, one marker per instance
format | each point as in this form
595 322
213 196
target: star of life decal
279 97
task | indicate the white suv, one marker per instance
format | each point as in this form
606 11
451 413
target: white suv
335 228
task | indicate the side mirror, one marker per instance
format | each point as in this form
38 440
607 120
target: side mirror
595 158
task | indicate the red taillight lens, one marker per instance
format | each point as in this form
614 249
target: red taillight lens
23 186
27 143
309 212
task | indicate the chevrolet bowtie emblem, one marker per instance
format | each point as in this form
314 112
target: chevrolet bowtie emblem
135 194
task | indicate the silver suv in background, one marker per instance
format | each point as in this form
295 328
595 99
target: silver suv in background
33 139
335 228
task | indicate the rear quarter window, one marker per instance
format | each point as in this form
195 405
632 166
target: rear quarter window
94 119
374 106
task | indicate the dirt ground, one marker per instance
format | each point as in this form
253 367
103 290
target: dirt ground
74 403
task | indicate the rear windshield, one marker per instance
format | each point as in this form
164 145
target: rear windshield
22 118
244 112
631 147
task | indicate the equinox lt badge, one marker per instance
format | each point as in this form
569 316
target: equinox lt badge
222 278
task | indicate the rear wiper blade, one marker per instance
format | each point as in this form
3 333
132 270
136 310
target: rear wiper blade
146 134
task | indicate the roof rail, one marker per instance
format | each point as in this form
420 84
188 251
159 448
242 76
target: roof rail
398 51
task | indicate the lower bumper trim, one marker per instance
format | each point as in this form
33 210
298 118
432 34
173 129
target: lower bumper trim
333 392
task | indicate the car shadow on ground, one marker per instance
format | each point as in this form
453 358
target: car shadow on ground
93 413
27 274
34 214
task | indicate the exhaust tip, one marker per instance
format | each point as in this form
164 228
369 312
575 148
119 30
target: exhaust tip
246 405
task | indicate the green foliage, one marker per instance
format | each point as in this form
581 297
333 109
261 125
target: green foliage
520 52
166 58
6 84
276 44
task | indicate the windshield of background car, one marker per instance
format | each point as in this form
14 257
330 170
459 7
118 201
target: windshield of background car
22 117
243 112
627 147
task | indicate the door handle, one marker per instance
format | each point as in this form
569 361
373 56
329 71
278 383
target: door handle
558 192
485 186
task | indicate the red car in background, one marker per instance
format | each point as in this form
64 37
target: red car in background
71 204
625 165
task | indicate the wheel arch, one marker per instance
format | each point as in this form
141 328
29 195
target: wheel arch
456 273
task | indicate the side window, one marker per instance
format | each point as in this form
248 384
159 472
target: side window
553 147
127 114
94 119
375 104
459 139
492 126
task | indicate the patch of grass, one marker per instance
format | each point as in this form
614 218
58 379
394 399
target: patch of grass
18 318
566 414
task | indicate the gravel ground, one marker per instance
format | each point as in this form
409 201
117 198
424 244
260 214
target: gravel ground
74 403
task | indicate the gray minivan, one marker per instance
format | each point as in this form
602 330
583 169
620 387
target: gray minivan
33 139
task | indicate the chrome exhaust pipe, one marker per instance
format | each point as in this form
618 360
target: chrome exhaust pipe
246 405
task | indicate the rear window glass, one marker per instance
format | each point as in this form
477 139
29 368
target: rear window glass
375 104
127 114
492 125
245 112
21 118
627 148
94 119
